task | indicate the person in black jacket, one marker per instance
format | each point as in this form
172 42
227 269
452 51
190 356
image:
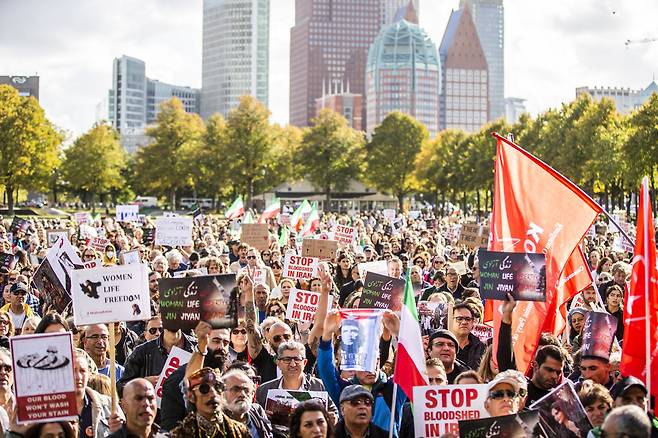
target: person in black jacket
471 349
239 394
443 345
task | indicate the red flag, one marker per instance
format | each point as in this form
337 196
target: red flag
640 347
535 210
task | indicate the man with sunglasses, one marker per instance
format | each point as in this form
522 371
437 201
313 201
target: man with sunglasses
206 419
356 410
17 309
506 393
291 359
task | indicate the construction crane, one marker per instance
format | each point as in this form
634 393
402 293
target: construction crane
642 41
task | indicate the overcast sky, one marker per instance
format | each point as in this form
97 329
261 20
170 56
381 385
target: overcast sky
551 47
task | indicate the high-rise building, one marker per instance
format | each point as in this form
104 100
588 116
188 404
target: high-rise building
235 59
329 44
465 79
158 92
338 98
403 74
514 107
489 18
625 99
26 85
395 10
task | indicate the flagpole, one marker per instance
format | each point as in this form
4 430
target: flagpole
614 222
392 424
647 313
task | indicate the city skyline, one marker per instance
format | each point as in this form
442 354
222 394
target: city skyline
71 48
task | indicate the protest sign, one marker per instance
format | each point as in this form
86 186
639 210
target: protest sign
177 357
473 235
433 316
99 243
81 218
282 402
437 409
130 257
382 292
7 262
44 383
389 214
284 219
322 249
524 424
87 232
344 235
296 267
256 235
521 274
303 305
378 267
110 294
563 399
194 272
210 298
90 264
414 214
149 236
598 335
18 224
53 235
53 276
127 213
173 231
483 332
359 331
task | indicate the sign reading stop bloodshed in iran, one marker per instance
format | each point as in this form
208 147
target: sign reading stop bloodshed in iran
438 409
344 235
303 305
295 266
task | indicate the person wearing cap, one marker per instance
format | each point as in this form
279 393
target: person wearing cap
356 406
206 418
443 345
506 393
17 309
631 391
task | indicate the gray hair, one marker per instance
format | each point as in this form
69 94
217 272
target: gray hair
242 375
629 419
291 346
175 255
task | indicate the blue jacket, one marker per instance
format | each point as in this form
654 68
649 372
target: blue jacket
382 390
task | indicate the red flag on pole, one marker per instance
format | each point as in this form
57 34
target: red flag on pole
536 209
640 347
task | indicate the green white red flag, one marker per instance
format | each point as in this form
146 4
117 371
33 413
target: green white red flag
297 218
271 211
312 222
236 209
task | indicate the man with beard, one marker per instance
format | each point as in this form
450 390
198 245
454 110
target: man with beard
212 353
206 418
239 394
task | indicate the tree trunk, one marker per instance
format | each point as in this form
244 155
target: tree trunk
477 196
250 193
400 201
10 198
173 199
327 192
93 203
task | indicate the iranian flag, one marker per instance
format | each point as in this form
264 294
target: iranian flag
285 236
410 368
248 218
297 218
271 211
236 209
312 222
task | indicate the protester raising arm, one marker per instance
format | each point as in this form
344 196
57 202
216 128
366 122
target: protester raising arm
202 332
333 383
323 305
505 353
254 339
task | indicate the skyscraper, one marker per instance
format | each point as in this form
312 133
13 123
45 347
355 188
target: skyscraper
489 19
329 43
464 83
403 74
235 59
393 10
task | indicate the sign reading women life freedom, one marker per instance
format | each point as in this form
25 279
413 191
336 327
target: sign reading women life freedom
110 294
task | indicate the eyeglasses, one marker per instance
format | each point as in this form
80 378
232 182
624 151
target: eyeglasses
289 359
96 338
204 388
265 254
4 321
276 311
450 345
502 393
239 332
6 368
239 389
154 330
361 401
12 279
277 338
461 319
251 257
19 292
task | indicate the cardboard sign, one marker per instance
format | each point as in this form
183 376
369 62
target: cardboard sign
282 402
296 267
378 267
521 274
99 243
44 384
303 305
53 276
344 235
53 235
523 424
81 218
438 409
322 249
256 235
210 298
149 236
359 345
473 235
130 257
173 231
177 357
564 399
110 294
127 213
382 292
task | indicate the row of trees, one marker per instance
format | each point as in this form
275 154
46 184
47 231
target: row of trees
587 141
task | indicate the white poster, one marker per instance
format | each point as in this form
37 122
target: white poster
379 267
344 235
110 294
53 235
63 260
173 231
177 357
130 257
295 266
127 213
303 305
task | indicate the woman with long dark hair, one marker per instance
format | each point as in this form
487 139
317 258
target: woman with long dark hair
311 420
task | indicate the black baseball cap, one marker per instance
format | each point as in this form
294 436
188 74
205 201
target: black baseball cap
443 333
619 388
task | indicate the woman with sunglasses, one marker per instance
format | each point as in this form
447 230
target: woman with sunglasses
276 308
238 345
88 254
277 270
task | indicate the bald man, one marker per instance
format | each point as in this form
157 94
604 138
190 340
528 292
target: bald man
140 407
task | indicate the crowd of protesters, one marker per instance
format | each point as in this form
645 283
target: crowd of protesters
222 391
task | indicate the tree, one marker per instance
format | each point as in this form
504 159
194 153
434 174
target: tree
391 154
159 166
93 164
29 144
331 153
